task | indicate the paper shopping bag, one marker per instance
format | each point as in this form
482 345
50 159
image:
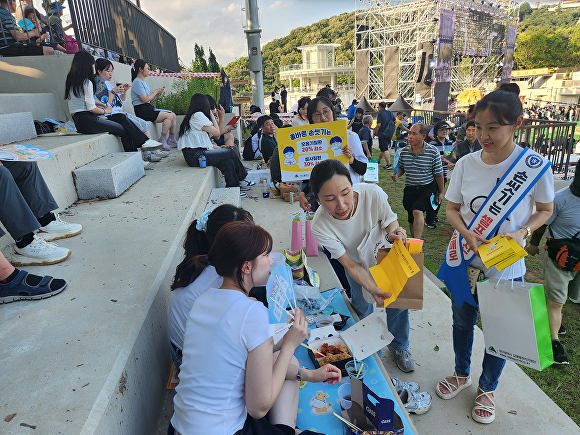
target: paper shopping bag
393 272
311 245
515 322
296 231
411 297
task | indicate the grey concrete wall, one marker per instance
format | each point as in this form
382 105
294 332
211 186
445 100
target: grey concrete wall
42 74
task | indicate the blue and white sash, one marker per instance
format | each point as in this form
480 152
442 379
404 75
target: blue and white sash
522 175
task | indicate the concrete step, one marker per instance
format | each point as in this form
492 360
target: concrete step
16 127
109 176
95 358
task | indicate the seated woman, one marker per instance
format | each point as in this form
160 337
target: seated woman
230 378
141 97
226 139
80 90
186 289
194 141
115 96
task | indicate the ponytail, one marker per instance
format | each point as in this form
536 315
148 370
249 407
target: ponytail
137 65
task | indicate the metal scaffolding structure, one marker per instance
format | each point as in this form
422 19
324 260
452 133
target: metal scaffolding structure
385 29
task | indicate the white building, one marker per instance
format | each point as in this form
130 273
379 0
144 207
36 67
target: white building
319 68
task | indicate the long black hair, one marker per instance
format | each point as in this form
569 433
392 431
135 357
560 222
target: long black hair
506 107
199 103
313 106
139 64
81 69
199 242
235 243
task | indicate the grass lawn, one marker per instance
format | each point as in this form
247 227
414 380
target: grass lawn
558 382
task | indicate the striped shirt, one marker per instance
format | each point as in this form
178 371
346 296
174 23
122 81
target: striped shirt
8 24
420 169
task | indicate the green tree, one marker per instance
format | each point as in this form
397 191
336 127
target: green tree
199 63
212 62
525 10
539 50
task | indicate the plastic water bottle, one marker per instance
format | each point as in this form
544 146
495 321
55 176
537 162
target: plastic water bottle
202 161
266 189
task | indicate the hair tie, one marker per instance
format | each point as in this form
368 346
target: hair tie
201 224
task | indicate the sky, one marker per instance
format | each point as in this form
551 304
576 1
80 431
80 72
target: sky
217 24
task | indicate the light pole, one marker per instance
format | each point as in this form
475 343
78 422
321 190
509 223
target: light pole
252 31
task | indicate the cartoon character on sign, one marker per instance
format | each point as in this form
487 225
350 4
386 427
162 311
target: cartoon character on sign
336 145
289 156
319 404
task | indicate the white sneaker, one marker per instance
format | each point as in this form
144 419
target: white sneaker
161 153
38 252
58 229
151 145
150 156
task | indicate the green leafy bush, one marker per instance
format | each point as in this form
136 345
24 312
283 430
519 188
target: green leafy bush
183 89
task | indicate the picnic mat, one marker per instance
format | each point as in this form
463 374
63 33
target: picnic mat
320 419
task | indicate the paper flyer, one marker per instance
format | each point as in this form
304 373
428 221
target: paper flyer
392 273
280 293
303 147
23 153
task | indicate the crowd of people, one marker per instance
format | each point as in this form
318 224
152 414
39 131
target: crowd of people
227 254
553 112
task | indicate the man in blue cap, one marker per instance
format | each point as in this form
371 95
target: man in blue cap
55 22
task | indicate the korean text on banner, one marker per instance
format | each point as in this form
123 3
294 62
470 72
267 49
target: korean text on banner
303 147
392 273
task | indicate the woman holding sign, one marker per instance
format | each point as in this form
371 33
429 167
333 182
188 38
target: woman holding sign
347 214
497 116
321 110
230 378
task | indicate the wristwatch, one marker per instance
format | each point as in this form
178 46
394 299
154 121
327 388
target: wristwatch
529 231
298 375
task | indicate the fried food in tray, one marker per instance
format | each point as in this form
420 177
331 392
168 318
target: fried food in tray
332 353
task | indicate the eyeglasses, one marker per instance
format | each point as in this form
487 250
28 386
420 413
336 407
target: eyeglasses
325 113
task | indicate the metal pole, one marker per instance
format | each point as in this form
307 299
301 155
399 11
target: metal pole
252 32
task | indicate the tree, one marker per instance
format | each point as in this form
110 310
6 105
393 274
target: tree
540 50
525 10
199 63
212 62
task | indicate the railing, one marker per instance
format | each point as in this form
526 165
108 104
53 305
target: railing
553 139
121 27
316 65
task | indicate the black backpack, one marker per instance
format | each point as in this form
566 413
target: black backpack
390 130
248 152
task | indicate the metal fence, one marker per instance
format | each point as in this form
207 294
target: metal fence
552 139
121 27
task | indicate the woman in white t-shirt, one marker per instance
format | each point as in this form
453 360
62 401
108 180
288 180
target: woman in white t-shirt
185 288
347 213
497 116
194 141
301 118
230 378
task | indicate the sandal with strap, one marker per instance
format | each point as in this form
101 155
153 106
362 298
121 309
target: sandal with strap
452 389
20 288
479 407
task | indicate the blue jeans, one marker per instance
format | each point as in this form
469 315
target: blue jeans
397 319
464 320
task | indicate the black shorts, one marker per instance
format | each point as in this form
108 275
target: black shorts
21 50
418 198
146 111
384 143
257 427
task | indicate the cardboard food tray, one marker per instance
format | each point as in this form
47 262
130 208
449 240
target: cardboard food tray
334 341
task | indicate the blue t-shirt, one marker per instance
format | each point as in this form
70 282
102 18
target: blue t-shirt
351 111
8 23
383 118
139 87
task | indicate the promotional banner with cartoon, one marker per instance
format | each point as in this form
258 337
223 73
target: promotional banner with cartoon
301 148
